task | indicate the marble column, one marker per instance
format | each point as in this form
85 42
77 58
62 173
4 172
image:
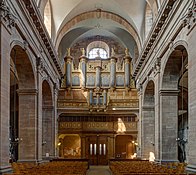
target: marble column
4 93
191 156
56 140
40 69
27 125
168 125
48 131
139 123
112 72
83 72
148 137
157 111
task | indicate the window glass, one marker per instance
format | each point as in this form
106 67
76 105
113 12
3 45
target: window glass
97 52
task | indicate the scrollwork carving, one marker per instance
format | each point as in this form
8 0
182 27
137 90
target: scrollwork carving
190 17
6 15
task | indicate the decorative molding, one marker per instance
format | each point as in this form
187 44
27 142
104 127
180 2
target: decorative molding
6 15
167 7
39 25
169 92
27 91
190 17
157 66
40 65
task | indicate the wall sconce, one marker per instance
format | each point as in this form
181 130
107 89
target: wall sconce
15 142
181 140
44 142
59 144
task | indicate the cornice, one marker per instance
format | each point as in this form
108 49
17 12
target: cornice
6 15
38 22
168 6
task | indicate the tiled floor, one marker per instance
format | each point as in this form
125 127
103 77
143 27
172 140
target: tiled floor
99 170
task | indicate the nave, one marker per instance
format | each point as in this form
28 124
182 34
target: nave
115 167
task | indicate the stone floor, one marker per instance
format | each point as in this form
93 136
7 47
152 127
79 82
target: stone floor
99 170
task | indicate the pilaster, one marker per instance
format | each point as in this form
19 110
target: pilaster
168 125
28 150
6 25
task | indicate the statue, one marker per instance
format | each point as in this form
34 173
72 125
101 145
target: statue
68 52
127 52
112 52
83 51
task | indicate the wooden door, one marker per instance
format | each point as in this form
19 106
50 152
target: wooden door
96 150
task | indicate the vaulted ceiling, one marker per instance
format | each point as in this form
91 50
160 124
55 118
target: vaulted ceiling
122 20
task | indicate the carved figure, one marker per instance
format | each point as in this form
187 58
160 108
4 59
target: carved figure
126 52
68 52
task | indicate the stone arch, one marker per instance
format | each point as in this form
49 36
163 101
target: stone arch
175 51
104 15
171 96
98 44
148 120
69 145
125 144
148 92
26 94
48 132
24 66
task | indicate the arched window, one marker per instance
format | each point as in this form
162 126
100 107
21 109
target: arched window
98 49
97 52
47 17
148 19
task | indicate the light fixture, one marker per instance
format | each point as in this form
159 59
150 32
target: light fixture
59 144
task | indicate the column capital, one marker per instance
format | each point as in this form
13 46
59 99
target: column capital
83 59
127 59
68 59
169 92
27 91
148 108
113 59
6 15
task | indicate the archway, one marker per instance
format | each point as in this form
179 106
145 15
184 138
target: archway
69 146
48 137
148 120
125 147
23 98
13 123
183 110
174 105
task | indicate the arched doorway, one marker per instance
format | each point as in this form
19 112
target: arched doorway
48 137
125 146
174 106
69 146
148 121
23 95
183 109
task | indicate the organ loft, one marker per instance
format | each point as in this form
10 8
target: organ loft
97 87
